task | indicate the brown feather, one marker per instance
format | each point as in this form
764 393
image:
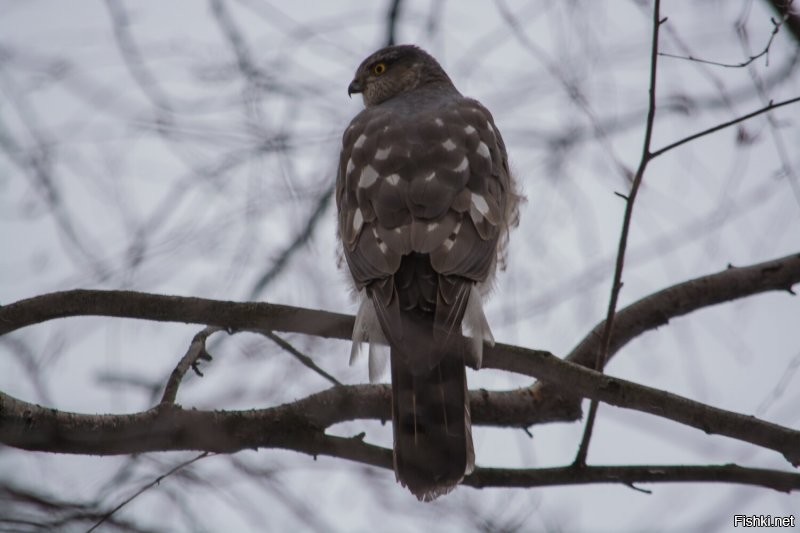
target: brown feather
425 201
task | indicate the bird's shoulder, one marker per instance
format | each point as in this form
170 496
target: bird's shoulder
417 116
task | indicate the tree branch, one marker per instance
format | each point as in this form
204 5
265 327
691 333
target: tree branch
32 427
303 358
297 427
628 475
718 127
196 352
601 354
785 11
657 309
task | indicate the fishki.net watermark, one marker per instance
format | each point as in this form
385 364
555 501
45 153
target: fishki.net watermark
762 520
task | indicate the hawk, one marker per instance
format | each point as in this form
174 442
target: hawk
425 200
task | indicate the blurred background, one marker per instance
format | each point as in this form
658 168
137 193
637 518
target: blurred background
190 148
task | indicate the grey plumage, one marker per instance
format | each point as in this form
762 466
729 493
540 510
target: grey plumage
425 200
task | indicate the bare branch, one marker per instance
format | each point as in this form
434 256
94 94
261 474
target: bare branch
765 52
139 492
659 308
277 267
196 352
132 57
652 311
792 18
297 427
718 127
601 355
545 477
294 425
303 358
516 408
392 18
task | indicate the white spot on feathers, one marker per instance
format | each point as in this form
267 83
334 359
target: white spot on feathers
450 241
469 130
449 145
368 177
350 167
381 245
439 122
480 204
393 179
430 176
382 153
360 141
483 150
358 220
462 166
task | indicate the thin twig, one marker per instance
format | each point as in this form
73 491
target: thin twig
303 358
156 481
197 351
132 57
769 107
280 263
570 85
784 8
616 286
392 18
765 52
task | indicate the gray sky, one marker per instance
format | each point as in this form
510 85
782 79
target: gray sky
146 159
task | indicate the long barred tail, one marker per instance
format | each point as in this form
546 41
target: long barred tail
432 430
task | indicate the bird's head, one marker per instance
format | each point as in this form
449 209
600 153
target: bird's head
394 70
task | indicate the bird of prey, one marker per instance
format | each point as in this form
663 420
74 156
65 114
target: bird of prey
425 201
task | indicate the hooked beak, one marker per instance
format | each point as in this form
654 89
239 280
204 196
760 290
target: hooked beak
355 87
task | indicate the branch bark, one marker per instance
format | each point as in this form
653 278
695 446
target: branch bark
300 424
657 309
297 427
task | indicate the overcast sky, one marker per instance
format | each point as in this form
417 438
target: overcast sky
181 147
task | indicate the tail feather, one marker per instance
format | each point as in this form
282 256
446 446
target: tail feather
432 431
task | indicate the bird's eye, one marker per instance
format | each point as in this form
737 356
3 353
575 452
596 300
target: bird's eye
379 69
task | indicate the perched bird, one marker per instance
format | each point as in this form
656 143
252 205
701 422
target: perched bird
425 201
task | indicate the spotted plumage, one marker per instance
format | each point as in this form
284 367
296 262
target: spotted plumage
425 200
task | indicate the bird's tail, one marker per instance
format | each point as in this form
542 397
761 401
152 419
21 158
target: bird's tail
432 429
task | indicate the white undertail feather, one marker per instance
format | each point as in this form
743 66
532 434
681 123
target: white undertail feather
368 329
476 327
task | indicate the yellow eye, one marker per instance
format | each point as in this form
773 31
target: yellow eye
379 69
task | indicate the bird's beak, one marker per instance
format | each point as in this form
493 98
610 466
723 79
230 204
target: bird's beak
355 87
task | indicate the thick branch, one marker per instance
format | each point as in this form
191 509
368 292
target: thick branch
525 407
657 309
355 449
33 427
251 316
296 427
89 434
648 313
628 475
